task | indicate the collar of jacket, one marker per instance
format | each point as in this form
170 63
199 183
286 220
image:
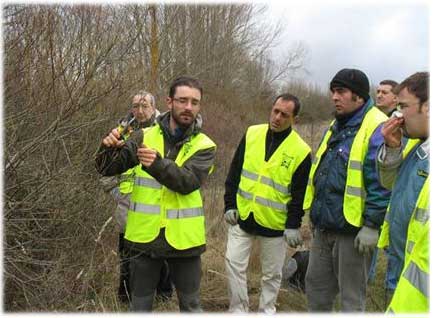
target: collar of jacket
423 150
355 118
138 125
164 122
389 114
281 135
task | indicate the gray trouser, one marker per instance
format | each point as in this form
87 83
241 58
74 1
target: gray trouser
186 275
335 266
272 254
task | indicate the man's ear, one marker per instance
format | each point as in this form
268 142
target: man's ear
426 108
296 119
169 102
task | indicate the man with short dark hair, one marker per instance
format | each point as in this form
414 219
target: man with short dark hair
386 100
263 201
404 167
171 160
347 204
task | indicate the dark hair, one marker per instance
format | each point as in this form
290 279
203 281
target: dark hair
290 98
185 81
391 83
416 84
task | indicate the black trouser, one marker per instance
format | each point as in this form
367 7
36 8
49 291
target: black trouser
145 275
164 288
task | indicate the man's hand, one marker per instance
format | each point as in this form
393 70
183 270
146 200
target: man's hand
366 240
113 140
392 133
146 156
293 237
231 216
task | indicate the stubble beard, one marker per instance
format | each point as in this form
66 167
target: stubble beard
179 121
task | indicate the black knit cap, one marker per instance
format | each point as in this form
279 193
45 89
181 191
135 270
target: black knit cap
353 79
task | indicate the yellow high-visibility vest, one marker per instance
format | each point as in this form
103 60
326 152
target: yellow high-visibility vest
264 186
154 206
412 292
354 193
384 232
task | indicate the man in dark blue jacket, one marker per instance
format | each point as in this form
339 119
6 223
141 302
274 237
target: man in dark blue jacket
347 202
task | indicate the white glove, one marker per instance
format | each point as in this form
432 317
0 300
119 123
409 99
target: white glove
231 216
293 237
366 240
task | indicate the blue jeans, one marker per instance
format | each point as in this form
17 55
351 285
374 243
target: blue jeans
372 270
391 275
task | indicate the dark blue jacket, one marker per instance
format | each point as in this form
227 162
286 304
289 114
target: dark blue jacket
330 178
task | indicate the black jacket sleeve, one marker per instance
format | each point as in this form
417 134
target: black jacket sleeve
114 161
298 186
234 177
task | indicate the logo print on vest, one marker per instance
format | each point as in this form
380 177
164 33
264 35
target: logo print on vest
287 160
422 173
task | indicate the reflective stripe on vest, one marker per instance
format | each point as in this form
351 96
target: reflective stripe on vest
410 245
184 213
358 192
272 204
421 215
355 165
144 208
245 194
417 277
354 194
147 182
154 206
249 175
265 180
264 187
278 187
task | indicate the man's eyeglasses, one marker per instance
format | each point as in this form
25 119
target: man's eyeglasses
184 101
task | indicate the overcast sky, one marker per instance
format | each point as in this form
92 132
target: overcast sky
385 39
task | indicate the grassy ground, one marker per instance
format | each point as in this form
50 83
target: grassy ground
214 294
